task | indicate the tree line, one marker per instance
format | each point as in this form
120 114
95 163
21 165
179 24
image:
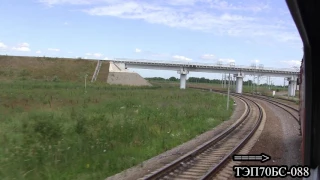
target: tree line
190 79
203 80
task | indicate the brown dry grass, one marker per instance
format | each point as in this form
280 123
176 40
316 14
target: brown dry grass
104 72
45 68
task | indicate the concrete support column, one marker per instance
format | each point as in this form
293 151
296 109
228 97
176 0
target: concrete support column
183 77
183 80
234 83
292 86
239 83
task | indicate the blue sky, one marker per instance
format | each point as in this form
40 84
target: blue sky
244 32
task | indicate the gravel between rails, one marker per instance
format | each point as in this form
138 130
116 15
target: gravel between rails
158 161
280 138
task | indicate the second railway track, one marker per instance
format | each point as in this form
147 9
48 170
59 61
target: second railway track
291 110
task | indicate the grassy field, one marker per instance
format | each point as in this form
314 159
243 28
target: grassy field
54 130
247 89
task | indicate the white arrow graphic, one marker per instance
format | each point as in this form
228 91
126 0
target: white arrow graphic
260 157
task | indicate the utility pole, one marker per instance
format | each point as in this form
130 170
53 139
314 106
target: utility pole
225 80
254 80
222 80
234 83
228 93
258 83
85 83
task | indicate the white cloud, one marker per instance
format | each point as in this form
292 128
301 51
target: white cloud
38 52
220 17
3 46
208 57
212 4
226 60
24 44
97 54
54 2
106 58
224 5
151 54
25 49
181 2
22 47
138 50
255 61
204 19
70 52
292 63
53 49
177 57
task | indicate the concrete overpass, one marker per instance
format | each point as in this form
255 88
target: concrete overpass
183 68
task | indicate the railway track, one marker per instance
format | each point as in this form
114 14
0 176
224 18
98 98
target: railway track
280 98
208 159
291 110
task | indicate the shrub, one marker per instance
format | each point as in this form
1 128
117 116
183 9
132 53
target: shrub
80 126
55 78
47 130
24 73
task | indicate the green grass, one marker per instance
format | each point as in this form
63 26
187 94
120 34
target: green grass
53 130
263 90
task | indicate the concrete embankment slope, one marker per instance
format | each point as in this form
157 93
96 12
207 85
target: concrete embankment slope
50 69
121 76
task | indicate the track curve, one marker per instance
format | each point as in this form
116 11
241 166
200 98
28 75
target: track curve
206 160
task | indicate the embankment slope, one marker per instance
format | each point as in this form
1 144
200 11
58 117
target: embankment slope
50 68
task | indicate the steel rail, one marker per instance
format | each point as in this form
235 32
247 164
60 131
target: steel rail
268 98
216 168
226 158
166 170
276 103
177 163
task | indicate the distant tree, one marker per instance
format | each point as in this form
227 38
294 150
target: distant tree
156 78
173 79
192 79
249 82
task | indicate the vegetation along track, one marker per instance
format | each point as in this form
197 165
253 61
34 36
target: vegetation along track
206 160
289 109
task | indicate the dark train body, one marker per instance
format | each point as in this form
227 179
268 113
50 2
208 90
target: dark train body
305 14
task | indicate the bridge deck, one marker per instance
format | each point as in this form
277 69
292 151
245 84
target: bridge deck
192 66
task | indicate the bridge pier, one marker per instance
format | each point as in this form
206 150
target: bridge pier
183 77
239 83
292 86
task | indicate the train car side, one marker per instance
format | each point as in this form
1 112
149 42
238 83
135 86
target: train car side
302 107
